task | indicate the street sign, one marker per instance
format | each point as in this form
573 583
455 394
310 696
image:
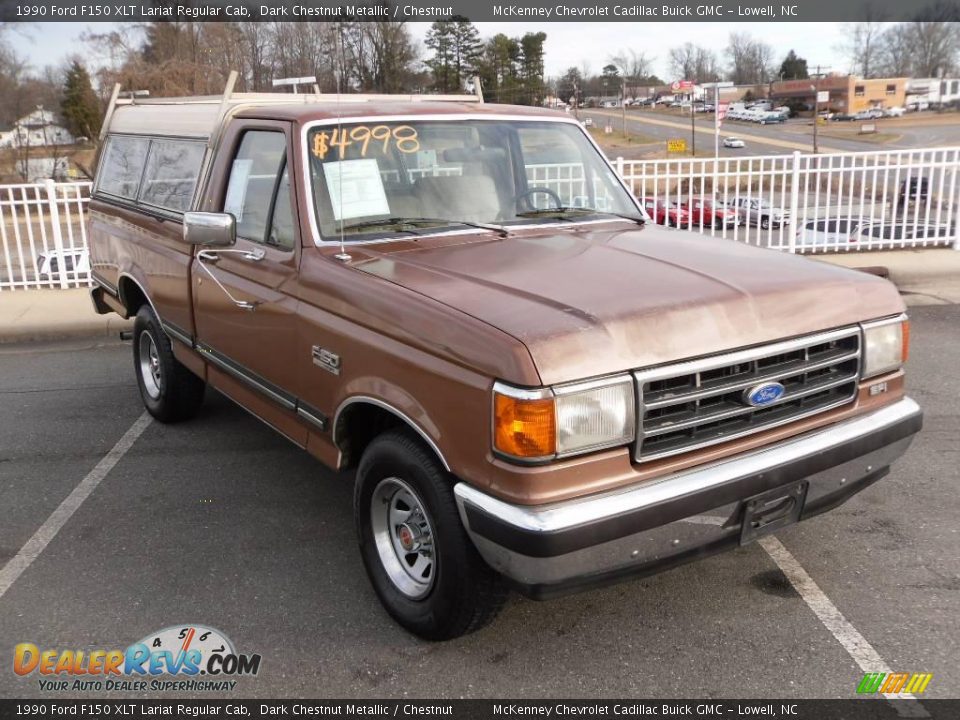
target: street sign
823 96
677 145
722 110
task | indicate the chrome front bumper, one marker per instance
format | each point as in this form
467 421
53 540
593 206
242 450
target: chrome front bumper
553 549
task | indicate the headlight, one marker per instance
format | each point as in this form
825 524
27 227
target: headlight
886 345
565 420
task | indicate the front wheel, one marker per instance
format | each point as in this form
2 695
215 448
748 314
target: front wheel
422 565
169 390
765 222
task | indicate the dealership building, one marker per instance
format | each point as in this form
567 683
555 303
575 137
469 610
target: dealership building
846 93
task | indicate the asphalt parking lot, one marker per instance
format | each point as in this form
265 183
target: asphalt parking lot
222 522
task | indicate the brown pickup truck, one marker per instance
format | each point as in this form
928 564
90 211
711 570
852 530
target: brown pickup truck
463 302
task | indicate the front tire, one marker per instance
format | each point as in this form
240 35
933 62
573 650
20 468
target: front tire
422 565
765 222
170 392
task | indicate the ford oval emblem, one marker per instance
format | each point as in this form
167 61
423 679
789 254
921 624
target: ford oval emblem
763 394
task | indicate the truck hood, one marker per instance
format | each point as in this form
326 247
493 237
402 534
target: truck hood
588 301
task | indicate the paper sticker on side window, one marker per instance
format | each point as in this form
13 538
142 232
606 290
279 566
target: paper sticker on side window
237 190
356 188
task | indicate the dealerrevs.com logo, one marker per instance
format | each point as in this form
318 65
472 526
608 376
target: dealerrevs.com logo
177 658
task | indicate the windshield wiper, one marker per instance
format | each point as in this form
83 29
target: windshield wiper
563 210
403 224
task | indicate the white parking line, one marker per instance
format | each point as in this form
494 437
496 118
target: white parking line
42 537
846 634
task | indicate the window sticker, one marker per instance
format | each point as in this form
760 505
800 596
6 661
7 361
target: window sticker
237 190
355 188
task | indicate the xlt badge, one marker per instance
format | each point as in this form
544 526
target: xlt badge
329 361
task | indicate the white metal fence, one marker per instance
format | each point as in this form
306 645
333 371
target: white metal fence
43 235
837 202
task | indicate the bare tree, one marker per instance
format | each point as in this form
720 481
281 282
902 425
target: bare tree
636 68
935 47
751 61
693 62
895 54
864 47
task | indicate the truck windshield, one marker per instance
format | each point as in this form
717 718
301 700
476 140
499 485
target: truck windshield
425 176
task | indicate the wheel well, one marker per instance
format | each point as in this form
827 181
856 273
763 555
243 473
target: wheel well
131 296
360 423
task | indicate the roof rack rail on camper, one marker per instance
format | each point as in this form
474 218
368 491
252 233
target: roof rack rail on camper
202 116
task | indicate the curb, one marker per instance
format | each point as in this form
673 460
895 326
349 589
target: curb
109 327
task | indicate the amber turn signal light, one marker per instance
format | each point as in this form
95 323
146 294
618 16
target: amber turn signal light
905 340
524 428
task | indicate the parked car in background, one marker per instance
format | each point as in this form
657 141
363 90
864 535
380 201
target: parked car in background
666 213
918 105
771 116
847 230
707 212
756 211
895 111
733 142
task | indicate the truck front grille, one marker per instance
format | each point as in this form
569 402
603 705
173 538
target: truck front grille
696 403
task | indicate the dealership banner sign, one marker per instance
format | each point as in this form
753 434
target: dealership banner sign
474 10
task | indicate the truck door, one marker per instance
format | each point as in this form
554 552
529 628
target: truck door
244 298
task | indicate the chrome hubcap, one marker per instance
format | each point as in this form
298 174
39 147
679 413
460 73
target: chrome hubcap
403 537
150 365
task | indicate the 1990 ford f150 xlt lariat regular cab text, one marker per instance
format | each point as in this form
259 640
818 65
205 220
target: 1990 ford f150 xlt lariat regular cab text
463 303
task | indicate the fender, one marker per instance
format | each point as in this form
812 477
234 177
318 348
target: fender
406 418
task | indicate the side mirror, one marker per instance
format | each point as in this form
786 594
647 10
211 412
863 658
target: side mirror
209 229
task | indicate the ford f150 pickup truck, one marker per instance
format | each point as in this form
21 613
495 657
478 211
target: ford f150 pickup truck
537 388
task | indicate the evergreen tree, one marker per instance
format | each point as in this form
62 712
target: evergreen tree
456 51
79 106
793 67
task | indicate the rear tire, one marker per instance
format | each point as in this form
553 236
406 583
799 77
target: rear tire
417 554
170 392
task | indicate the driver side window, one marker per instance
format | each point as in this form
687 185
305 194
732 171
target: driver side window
258 193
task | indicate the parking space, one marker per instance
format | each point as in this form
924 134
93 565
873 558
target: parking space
221 521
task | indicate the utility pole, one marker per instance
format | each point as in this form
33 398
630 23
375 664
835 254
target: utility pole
623 103
576 98
816 107
693 132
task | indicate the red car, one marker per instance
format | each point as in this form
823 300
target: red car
707 212
663 214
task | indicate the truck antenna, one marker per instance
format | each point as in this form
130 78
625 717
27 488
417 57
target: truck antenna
343 255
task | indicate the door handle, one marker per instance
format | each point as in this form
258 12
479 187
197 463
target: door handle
255 255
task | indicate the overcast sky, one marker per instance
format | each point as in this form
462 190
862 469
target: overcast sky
568 44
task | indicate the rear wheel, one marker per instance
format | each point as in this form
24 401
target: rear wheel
169 391
422 565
